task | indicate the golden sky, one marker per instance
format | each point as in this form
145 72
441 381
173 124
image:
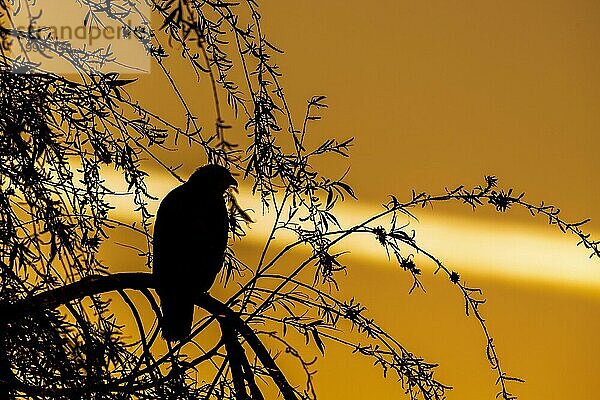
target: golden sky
438 94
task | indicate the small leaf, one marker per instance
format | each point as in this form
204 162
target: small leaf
318 341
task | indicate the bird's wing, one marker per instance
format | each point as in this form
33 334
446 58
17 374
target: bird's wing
166 239
171 253
190 237
210 237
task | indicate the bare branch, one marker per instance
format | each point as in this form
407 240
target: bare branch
94 285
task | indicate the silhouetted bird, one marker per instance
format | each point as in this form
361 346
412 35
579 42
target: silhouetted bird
190 238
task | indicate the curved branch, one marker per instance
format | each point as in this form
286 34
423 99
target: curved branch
97 284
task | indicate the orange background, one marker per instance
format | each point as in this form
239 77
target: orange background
438 94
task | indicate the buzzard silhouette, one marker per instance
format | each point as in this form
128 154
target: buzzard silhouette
190 237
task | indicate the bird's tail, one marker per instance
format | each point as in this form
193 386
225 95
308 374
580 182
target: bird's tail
177 317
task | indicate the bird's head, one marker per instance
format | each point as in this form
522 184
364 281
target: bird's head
212 178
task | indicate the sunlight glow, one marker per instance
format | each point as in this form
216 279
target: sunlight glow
532 251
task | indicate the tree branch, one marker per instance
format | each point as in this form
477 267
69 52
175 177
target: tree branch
97 284
234 352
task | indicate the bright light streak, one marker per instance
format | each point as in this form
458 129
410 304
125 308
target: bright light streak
531 252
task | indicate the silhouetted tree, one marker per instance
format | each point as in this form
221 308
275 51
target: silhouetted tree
59 336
